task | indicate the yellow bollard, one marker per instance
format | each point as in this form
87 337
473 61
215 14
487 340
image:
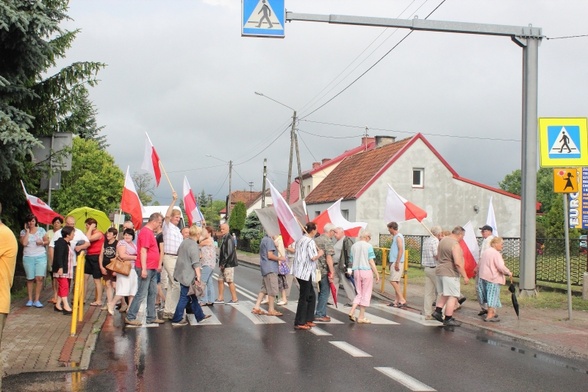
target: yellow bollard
384 266
78 299
405 275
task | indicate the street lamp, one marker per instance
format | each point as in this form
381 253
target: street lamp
230 182
293 142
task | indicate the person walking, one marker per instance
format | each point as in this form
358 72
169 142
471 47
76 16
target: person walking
63 268
364 270
172 238
147 270
342 264
227 263
108 253
304 268
8 253
429 263
126 286
492 272
268 263
450 265
186 270
208 260
92 266
325 263
34 239
396 259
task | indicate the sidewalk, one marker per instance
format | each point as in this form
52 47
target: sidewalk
545 329
38 340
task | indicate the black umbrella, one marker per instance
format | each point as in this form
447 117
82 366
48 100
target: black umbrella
513 297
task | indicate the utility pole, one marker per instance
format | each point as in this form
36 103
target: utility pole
292 141
263 182
301 187
230 181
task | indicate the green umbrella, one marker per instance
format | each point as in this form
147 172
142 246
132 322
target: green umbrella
83 213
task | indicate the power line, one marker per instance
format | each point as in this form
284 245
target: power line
568 36
372 66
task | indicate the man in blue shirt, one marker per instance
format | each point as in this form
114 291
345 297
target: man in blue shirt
268 263
396 260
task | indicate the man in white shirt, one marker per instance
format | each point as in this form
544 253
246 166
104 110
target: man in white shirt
172 238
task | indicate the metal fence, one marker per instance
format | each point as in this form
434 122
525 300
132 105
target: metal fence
550 263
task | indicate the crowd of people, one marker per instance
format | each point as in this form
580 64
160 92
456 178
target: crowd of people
163 262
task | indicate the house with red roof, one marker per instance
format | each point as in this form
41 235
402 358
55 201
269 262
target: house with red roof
421 175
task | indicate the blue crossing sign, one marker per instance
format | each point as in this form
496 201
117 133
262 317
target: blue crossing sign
263 18
563 142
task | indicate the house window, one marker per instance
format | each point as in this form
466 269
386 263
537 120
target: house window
345 214
418 178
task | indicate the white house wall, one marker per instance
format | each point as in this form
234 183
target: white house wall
449 202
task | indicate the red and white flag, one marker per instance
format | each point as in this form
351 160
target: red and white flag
491 219
42 211
398 209
289 226
471 251
151 161
130 202
333 215
190 204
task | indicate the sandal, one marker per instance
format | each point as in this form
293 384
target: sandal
96 304
258 311
402 305
364 321
304 327
352 317
275 313
310 324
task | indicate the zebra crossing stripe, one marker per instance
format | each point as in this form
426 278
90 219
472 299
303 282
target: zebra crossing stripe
350 349
404 379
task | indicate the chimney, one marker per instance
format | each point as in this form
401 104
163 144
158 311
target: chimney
382 141
325 160
365 140
315 165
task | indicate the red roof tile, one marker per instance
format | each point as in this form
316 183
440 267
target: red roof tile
355 172
245 196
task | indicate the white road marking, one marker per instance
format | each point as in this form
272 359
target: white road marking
246 307
373 318
407 314
292 305
319 332
349 349
404 379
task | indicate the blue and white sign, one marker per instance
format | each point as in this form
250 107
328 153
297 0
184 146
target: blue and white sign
263 18
563 141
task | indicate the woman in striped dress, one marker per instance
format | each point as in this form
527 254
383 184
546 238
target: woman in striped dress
491 273
303 268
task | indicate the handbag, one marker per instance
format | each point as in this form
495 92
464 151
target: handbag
283 268
119 266
197 288
317 275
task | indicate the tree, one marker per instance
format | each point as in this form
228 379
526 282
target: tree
512 182
237 218
94 180
143 186
33 102
203 201
212 213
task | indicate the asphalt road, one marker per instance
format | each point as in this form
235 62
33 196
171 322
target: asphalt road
237 351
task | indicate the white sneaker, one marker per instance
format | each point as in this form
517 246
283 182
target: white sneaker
282 303
265 301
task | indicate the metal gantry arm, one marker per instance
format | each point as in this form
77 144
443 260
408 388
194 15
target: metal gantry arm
527 37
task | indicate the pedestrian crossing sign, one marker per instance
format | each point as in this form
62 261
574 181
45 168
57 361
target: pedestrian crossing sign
263 18
563 142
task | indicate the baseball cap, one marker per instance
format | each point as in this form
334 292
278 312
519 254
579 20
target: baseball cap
486 227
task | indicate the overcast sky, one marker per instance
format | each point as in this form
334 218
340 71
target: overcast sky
180 71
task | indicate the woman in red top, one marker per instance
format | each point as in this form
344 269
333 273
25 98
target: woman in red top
92 266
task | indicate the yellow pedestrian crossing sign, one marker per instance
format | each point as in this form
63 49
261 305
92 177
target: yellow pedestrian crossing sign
563 142
565 180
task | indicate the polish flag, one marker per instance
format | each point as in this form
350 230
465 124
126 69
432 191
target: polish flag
333 215
130 202
151 161
190 205
471 251
491 219
42 211
398 209
289 226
